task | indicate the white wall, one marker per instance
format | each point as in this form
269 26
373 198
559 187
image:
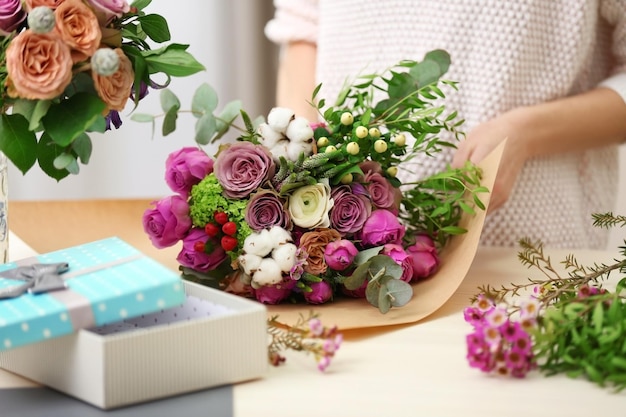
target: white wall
227 38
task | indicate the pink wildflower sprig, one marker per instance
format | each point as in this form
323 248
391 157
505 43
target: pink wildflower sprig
307 335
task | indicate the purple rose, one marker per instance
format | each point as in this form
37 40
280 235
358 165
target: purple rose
320 293
11 16
351 208
201 261
168 222
106 10
339 254
382 227
424 257
242 167
383 194
266 209
273 294
399 255
185 168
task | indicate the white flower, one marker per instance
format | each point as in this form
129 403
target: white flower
279 118
268 273
259 244
249 262
285 256
299 130
309 205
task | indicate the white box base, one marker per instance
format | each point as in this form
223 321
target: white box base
194 347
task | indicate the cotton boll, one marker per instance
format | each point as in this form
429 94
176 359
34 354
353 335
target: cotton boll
249 262
269 136
259 244
280 149
279 236
279 118
285 256
299 130
268 273
294 149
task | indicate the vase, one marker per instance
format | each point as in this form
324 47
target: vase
4 209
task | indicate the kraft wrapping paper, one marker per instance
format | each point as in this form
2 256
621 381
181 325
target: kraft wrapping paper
428 296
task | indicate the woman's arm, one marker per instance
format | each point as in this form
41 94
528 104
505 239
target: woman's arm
296 78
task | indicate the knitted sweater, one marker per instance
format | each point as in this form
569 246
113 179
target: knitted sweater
505 54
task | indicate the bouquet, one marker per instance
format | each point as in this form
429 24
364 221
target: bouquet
69 67
310 211
569 323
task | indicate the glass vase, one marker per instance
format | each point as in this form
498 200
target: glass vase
4 209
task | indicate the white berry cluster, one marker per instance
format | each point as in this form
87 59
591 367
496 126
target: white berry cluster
267 256
286 135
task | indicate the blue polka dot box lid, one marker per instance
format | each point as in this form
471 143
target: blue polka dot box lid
84 286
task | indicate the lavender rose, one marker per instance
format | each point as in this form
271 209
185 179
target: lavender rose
399 255
185 168
266 209
340 254
424 257
382 227
168 222
320 293
11 16
242 167
351 208
383 194
107 10
190 257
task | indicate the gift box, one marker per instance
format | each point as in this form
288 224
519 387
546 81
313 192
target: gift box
212 339
101 282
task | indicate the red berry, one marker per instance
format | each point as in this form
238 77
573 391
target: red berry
220 217
229 228
228 243
211 229
198 246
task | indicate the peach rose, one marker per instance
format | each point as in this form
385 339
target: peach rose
78 26
114 89
31 4
39 66
314 244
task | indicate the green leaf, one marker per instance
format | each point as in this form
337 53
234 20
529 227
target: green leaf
173 60
142 118
141 4
100 125
384 264
169 100
47 152
366 254
83 147
358 277
441 58
384 303
597 318
399 292
372 293
169 121
204 100
17 142
155 26
68 119
205 129
63 161
227 116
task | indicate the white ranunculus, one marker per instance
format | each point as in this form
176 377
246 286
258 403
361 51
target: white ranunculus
309 206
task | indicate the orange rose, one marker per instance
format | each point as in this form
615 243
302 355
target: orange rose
39 66
78 26
31 4
314 243
114 89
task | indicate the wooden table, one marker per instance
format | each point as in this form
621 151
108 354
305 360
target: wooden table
408 370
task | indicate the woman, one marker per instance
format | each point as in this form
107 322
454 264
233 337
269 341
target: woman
550 76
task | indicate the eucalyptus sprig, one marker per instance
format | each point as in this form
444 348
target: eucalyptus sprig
580 326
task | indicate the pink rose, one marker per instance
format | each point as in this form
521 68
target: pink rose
382 227
424 257
320 293
274 294
185 168
107 10
242 167
168 222
11 16
340 254
351 208
399 255
202 261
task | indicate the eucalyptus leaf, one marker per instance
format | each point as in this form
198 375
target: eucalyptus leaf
169 121
169 100
205 129
63 161
83 147
358 277
366 254
142 118
384 301
384 263
399 292
204 100
372 293
227 116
